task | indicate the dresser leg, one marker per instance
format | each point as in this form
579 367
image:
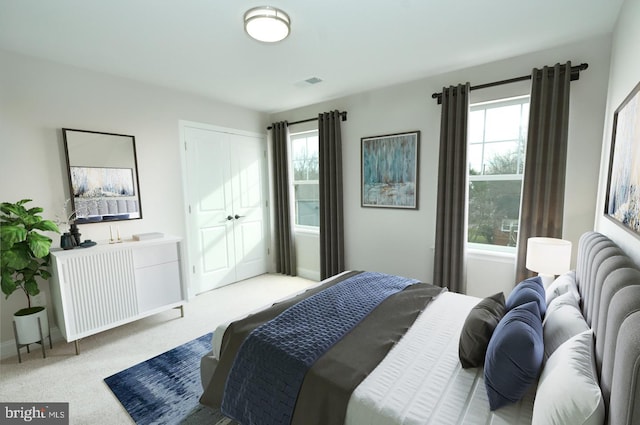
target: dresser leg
181 307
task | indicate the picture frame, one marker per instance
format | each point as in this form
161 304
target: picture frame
389 170
622 204
102 182
103 194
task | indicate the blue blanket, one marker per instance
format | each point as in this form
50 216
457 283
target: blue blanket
263 384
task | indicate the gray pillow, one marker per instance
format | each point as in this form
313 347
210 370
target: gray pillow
564 283
568 298
561 323
478 328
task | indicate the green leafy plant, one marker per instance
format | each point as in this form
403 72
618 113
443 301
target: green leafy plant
25 251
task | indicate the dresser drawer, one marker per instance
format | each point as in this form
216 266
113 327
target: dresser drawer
153 255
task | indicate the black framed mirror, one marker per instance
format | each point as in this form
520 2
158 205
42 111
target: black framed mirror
103 176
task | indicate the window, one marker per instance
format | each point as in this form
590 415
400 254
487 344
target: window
304 166
497 139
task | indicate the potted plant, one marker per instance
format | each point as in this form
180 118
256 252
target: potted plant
25 259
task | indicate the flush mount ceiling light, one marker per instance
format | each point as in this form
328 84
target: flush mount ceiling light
267 24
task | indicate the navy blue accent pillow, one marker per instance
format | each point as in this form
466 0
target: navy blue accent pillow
514 355
526 291
478 328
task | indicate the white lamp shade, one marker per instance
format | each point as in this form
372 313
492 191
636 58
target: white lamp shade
548 256
267 24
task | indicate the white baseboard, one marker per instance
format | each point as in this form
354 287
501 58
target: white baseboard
8 348
309 274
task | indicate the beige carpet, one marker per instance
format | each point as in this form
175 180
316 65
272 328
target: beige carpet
65 377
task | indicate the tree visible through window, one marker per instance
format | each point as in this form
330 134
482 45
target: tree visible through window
305 172
497 139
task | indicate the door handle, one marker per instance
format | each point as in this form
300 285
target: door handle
238 216
229 218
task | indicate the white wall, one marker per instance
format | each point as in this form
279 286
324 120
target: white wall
38 98
307 254
625 75
400 241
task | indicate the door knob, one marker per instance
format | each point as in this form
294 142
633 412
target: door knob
229 217
238 216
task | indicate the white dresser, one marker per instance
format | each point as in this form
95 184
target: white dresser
107 285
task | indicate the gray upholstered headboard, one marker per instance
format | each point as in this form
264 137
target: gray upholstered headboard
609 284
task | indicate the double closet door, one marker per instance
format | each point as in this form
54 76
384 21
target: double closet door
227 206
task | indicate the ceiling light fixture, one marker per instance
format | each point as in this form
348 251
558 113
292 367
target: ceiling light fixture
267 24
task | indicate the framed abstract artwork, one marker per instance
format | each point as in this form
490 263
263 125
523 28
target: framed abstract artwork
103 193
390 170
102 182
622 203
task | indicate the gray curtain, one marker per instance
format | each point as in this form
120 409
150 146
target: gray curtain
546 158
283 234
449 261
331 203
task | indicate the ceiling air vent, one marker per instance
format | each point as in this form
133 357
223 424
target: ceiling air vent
313 80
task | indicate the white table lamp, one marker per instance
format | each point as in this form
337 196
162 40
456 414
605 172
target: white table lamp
548 257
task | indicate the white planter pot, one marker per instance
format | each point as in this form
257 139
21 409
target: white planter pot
27 331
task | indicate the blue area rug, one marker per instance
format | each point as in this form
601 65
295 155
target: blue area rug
166 388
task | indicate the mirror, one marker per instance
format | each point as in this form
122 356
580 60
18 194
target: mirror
103 176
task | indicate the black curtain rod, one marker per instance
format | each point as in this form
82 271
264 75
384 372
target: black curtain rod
343 115
575 75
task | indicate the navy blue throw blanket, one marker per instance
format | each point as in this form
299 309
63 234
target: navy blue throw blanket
266 376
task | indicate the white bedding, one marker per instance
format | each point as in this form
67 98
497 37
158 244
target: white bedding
421 380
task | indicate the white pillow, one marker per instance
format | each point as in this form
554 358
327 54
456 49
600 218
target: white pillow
568 391
564 283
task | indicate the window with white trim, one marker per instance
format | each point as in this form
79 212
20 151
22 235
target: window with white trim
496 152
304 175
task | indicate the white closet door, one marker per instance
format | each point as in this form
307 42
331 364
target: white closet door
247 155
226 197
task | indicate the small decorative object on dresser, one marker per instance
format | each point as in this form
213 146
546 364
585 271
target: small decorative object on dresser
75 232
147 236
67 241
25 259
67 217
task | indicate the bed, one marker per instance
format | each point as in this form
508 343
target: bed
402 361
